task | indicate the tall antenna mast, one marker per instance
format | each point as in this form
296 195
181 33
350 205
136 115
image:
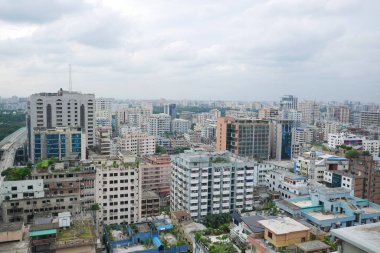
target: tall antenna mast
70 82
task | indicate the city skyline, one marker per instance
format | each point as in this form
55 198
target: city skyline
241 50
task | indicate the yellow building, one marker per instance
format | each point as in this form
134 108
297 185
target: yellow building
284 231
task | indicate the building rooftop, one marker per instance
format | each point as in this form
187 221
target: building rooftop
14 226
181 214
365 237
149 195
283 225
303 203
326 215
191 227
312 246
252 223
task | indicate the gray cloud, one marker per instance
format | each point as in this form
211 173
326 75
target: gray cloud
250 50
38 11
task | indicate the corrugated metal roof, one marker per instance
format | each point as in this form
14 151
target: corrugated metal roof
43 232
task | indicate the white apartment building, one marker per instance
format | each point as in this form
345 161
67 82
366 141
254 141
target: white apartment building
289 185
314 164
344 138
103 111
118 190
159 124
291 114
137 143
134 117
22 189
61 109
331 128
372 146
211 183
339 179
181 126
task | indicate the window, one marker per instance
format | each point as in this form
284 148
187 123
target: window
270 234
30 187
14 188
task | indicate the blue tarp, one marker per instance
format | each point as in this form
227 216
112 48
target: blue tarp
157 241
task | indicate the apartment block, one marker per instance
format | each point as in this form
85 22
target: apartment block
137 143
159 124
180 126
310 111
370 119
61 109
338 113
103 140
118 189
156 177
211 183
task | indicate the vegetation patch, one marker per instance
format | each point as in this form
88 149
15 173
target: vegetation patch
15 174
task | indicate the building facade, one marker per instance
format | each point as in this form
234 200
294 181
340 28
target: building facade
205 183
61 109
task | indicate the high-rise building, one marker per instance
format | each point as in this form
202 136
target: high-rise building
288 102
58 142
103 112
247 138
118 190
180 126
281 139
171 110
156 176
369 119
211 183
159 124
61 109
310 111
339 113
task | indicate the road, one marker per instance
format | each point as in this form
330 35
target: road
9 146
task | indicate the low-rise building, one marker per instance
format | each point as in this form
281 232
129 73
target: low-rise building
284 231
329 208
150 204
289 185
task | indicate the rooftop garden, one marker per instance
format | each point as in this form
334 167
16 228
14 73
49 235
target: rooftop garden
219 159
43 165
78 230
17 173
216 237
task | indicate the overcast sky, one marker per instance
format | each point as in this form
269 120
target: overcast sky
193 49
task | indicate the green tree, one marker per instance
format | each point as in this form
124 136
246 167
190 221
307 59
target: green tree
160 150
352 154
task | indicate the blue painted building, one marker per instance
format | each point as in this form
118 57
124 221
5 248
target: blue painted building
59 142
140 238
330 208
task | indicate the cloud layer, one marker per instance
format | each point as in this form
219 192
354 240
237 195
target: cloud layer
233 50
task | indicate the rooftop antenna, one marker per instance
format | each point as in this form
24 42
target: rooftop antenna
70 82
